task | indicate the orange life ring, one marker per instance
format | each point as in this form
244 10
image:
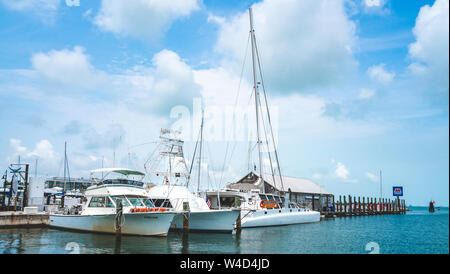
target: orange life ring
261 204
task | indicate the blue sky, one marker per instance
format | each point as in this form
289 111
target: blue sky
358 86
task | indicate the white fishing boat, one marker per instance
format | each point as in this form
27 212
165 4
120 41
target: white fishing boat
117 206
262 206
170 168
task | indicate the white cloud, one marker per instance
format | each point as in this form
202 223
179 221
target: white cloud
373 3
43 151
301 43
45 9
170 82
365 93
73 3
142 19
69 67
380 75
341 171
375 6
372 177
16 145
430 50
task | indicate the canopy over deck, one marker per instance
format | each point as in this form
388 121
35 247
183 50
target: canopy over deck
123 171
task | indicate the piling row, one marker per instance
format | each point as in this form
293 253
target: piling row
367 206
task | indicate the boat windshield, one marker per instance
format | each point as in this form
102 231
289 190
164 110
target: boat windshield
135 201
263 197
124 200
148 203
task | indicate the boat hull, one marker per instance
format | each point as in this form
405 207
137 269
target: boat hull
277 217
144 224
208 221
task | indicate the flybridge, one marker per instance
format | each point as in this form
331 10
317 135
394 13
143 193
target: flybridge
121 181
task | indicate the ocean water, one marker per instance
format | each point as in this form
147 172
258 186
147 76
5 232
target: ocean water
416 232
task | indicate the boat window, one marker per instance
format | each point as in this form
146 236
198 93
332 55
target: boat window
108 202
97 202
263 197
269 197
124 200
135 201
162 203
148 203
226 201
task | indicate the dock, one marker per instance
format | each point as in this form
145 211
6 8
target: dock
365 206
9 219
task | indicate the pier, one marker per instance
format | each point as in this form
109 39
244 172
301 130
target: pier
365 206
10 219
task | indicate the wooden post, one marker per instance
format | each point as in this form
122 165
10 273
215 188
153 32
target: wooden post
327 207
371 206
350 211
25 190
320 203
375 209
238 222
340 205
345 207
359 206
312 202
364 206
186 217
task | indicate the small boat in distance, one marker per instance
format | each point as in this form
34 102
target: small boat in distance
117 206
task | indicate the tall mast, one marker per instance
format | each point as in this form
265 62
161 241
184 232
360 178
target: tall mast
65 164
255 88
200 154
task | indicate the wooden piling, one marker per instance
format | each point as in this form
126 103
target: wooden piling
371 206
350 209
186 217
345 207
364 206
359 206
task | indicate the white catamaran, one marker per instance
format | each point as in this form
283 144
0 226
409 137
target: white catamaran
171 169
117 205
262 205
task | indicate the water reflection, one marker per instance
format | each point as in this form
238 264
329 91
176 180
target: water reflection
413 233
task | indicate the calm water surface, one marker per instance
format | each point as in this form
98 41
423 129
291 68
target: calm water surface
416 232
